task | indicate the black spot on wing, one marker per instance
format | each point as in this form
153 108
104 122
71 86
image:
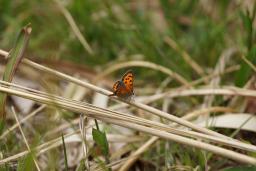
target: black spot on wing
129 74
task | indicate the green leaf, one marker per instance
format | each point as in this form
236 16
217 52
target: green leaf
26 163
14 58
245 168
101 140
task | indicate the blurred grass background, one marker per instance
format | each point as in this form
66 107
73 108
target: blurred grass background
117 30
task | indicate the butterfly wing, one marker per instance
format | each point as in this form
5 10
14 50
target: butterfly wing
124 88
127 79
116 86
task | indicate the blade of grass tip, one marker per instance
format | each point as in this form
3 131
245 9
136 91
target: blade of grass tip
65 153
15 57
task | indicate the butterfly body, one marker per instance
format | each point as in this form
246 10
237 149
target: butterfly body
124 88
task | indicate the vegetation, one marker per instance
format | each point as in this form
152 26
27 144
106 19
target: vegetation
193 63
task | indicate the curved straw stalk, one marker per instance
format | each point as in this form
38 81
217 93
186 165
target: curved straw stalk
136 104
146 64
159 96
225 90
97 89
120 120
105 92
59 101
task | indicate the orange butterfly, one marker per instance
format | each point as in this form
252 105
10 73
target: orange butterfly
124 88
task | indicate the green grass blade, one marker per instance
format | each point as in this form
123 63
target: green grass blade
245 71
14 58
26 163
65 153
101 140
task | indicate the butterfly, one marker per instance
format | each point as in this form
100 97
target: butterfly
124 88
